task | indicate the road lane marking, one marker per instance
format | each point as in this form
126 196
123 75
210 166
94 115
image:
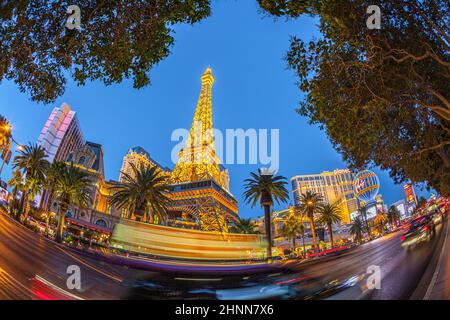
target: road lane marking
37 237
89 265
56 288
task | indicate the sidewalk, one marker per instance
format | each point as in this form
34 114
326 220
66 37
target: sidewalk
439 288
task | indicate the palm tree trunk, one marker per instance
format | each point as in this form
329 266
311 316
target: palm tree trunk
42 201
268 231
367 224
293 243
151 218
47 223
304 247
313 230
330 231
22 204
48 210
13 201
62 215
27 209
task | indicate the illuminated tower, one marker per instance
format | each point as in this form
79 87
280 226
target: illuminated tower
200 182
198 158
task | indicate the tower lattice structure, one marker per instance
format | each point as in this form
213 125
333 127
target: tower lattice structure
199 185
198 158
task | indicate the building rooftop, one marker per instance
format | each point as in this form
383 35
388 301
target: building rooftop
98 150
142 151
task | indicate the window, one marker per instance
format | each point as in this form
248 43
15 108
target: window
101 223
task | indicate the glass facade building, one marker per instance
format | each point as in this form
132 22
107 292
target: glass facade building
61 134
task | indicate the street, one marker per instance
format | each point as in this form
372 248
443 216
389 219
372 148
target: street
26 255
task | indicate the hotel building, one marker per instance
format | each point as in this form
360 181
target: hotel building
61 134
334 186
99 217
137 156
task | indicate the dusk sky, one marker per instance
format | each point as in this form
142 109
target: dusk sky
252 89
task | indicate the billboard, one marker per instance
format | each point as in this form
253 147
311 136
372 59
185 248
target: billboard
366 185
410 194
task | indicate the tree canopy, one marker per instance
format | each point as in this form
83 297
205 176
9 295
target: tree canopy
382 96
117 40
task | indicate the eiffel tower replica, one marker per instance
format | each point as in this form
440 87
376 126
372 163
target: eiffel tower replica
200 182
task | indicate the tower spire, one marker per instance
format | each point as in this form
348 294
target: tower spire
198 160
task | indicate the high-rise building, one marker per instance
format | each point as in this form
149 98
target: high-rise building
61 134
200 182
138 157
335 187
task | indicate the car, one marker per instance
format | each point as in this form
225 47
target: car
420 230
436 216
263 283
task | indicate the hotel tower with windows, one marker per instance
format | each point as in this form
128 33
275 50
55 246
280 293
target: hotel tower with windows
334 186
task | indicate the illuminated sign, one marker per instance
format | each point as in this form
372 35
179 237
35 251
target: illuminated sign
366 185
410 194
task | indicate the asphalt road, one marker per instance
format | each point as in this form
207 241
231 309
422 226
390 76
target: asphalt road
25 255
401 271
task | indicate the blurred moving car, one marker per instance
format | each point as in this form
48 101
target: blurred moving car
266 283
436 216
420 229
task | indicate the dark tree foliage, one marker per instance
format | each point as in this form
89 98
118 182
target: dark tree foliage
383 96
117 40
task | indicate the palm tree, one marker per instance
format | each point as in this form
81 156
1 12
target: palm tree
421 202
244 226
363 213
72 188
32 161
54 171
311 203
17 184
357 229
301 232
292 227
34 187
145 189
380 221
265 188
393 215
330 214
5 133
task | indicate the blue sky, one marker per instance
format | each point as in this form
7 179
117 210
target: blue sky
252 89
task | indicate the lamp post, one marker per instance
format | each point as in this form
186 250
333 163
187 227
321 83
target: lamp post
8 128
